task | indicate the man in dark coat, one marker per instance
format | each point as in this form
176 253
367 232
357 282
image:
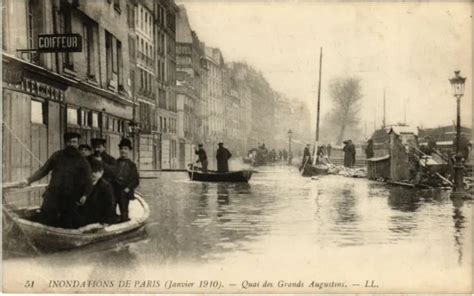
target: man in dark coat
100 204
69 185
353 151
109 163
306 157
369 150
222 156
126 179
202 157
347 154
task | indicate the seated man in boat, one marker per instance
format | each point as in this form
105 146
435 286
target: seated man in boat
85 150
202 157
69 185
222 156
100 205
126 179
109 163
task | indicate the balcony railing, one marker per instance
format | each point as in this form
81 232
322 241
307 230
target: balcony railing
146 59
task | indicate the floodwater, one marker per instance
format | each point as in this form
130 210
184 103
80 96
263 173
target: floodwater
281 226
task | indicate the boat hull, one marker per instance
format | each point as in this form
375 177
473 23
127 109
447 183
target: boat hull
211 176
49 239
317 170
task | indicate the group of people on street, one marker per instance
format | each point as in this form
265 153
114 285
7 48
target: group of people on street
222 155
86 184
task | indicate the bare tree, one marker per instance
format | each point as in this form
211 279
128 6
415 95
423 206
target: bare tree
346 94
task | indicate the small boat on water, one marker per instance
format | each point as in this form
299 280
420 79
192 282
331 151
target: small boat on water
315 170
49 238
214 176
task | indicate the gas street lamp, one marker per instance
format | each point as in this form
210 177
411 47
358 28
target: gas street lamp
290 133
457 84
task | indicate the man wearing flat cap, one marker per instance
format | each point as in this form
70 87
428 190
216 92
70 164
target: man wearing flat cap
70 183
222 156
108 162
202 157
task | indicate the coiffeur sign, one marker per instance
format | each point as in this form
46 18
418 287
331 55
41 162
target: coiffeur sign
59 43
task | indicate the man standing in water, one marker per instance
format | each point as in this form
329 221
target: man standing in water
222 156
70 183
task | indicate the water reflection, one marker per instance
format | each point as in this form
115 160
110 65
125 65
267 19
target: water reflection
459 224
404 199
194 222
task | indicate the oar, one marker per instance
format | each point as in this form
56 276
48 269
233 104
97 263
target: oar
17 185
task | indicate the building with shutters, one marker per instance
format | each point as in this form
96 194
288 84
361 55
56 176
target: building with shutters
47 94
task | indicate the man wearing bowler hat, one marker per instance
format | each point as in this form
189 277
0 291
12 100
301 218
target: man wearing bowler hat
126 179
108 162
69 186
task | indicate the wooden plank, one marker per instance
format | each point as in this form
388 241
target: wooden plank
15 127
26 129
6 136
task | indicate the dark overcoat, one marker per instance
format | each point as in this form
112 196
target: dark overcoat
348 155
100 204
126 177
222 157
70 180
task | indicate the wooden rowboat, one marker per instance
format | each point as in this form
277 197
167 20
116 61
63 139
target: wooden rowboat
213 176
316 170
48 238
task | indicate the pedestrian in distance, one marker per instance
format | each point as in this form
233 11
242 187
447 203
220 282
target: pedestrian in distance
306 157
347 154
127 179
202 157
353 152
69 186
369 150
222 156
100 204
109 163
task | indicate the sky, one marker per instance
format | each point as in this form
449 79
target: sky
408 50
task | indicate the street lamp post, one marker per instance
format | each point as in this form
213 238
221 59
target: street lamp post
290 133
457 83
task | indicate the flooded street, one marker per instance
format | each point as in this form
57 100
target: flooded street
283 226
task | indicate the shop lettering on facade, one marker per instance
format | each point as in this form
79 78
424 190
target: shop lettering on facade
59 43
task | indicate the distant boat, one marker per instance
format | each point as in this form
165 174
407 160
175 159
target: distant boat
314 169
214 176
49 238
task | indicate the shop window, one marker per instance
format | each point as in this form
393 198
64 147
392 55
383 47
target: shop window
95 119
38 112
84 117
72 116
